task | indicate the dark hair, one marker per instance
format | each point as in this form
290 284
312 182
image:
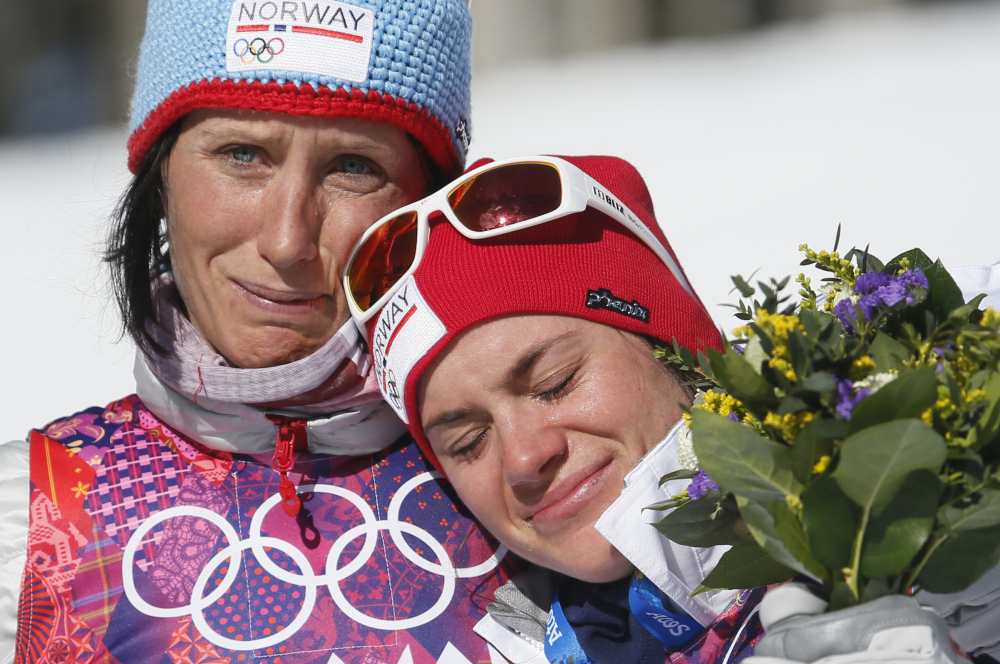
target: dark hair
135 250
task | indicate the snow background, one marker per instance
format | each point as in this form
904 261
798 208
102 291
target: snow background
884 121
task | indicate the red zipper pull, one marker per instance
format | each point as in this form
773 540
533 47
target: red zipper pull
291 438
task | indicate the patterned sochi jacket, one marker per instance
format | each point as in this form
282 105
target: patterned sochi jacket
147 548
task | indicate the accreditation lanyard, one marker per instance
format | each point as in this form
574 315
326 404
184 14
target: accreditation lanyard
646 604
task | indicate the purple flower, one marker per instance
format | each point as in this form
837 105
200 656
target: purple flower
732 416
846 401
846 310
892 293
913 278
868 304
870 281
701 484
880 290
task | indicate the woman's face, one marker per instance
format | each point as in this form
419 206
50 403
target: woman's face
262 210
536 420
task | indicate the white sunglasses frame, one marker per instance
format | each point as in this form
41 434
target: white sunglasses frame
579 191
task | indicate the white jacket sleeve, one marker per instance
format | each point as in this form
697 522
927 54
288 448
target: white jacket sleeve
14 490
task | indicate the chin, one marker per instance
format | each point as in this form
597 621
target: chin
258 351
603 563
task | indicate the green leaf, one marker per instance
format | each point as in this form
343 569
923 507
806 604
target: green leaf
686 356
701 524
664 505
682 474
831 521
741 461
981 511
895 536
943 293
745 289
777 530
810 446
888 353
907 397
738 378
987 427
917 259
821 381
875 461
874 589
745 566
791 405
754 354
961 560
841 597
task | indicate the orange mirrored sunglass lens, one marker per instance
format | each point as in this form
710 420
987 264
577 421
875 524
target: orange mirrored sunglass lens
506 195
382 259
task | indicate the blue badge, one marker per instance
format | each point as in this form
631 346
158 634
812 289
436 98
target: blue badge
672 629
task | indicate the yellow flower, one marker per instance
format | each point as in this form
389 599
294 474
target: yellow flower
991 318
789 425
844 269
862 367
80 490
795 504
975 395
718 402
822 464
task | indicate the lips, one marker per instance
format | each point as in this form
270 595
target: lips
570 495
281 301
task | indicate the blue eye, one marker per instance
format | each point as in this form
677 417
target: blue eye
243 155
354 166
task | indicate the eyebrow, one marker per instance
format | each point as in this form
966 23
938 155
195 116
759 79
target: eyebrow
449 417
513 376
528 360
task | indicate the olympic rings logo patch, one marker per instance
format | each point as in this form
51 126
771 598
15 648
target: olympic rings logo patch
392 390
203 595
258 49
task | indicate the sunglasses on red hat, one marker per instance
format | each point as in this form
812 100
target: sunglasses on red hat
499 197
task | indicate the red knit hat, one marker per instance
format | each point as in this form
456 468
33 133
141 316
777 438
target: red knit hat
585 265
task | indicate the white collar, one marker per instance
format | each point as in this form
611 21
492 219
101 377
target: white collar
676 570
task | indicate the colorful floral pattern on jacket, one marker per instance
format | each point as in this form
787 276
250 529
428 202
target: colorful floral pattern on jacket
729 639
147 548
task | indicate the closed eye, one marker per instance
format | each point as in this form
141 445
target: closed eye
471 450
557 391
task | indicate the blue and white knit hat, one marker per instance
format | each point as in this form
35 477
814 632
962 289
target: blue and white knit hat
400 62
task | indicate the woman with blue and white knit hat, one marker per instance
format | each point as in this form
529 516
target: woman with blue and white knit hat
255 500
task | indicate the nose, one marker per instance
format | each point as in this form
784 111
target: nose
534 446
291 227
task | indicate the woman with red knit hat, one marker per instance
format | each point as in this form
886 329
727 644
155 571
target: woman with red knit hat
511 318
515 342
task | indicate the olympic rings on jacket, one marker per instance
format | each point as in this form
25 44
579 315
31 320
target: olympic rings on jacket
303 574
263 51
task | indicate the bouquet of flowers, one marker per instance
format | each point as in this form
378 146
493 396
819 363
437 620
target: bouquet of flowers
851 435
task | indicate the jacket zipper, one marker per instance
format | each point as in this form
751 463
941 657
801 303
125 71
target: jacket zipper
291 439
